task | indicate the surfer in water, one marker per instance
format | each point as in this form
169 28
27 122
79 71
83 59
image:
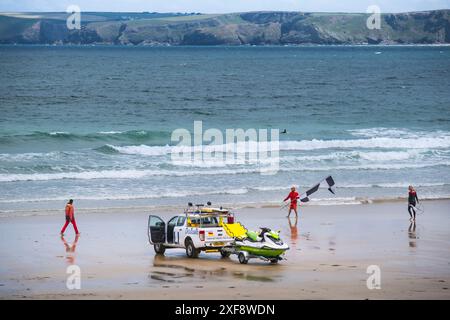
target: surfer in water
412 198
293 196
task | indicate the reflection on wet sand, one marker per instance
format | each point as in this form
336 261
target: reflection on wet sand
412 235
251 277
70 249
172 269
294 230
332 244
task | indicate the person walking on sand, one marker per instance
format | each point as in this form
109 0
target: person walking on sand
70 217
412 197
293 196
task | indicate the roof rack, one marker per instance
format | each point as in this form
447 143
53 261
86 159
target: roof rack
201 209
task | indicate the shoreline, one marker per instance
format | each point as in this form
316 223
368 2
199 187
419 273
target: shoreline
232 206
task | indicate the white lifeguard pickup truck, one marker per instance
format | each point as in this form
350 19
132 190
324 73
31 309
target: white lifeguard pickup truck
197 229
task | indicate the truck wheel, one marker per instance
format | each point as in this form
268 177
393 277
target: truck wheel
159 248
224 254
191 251
274 261
242 258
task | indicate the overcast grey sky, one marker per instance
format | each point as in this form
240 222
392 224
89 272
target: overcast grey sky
221 6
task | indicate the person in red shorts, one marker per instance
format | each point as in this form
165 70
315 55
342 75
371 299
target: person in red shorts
293 196
70 217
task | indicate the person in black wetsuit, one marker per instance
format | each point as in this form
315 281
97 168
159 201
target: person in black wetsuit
412 198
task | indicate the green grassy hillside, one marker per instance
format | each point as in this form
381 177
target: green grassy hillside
258 28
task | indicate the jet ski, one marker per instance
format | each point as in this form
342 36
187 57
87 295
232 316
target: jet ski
265 244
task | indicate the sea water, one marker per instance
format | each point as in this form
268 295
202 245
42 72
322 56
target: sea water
94 123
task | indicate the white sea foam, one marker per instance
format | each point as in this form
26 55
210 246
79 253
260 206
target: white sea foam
351 155
241 147
110 132
383 132
366 185
143 150
27 156
85 175
387 156
374 143
373 166
58 133
396 185
153 195
139 174
311 161
115 174
271 188
438 142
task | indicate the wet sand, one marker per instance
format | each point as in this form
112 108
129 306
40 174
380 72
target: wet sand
330 250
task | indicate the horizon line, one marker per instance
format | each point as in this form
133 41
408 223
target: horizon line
224 13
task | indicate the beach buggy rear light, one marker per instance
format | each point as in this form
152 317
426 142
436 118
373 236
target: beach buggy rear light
201 235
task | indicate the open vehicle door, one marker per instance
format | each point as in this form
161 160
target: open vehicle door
156 230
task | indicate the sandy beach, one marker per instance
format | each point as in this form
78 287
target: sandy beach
330 250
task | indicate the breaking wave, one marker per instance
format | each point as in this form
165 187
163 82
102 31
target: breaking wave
153 195
439 142
131 136
139 174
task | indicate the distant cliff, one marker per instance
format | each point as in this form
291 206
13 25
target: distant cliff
251 28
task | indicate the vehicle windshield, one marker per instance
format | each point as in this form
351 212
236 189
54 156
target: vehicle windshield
206 221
